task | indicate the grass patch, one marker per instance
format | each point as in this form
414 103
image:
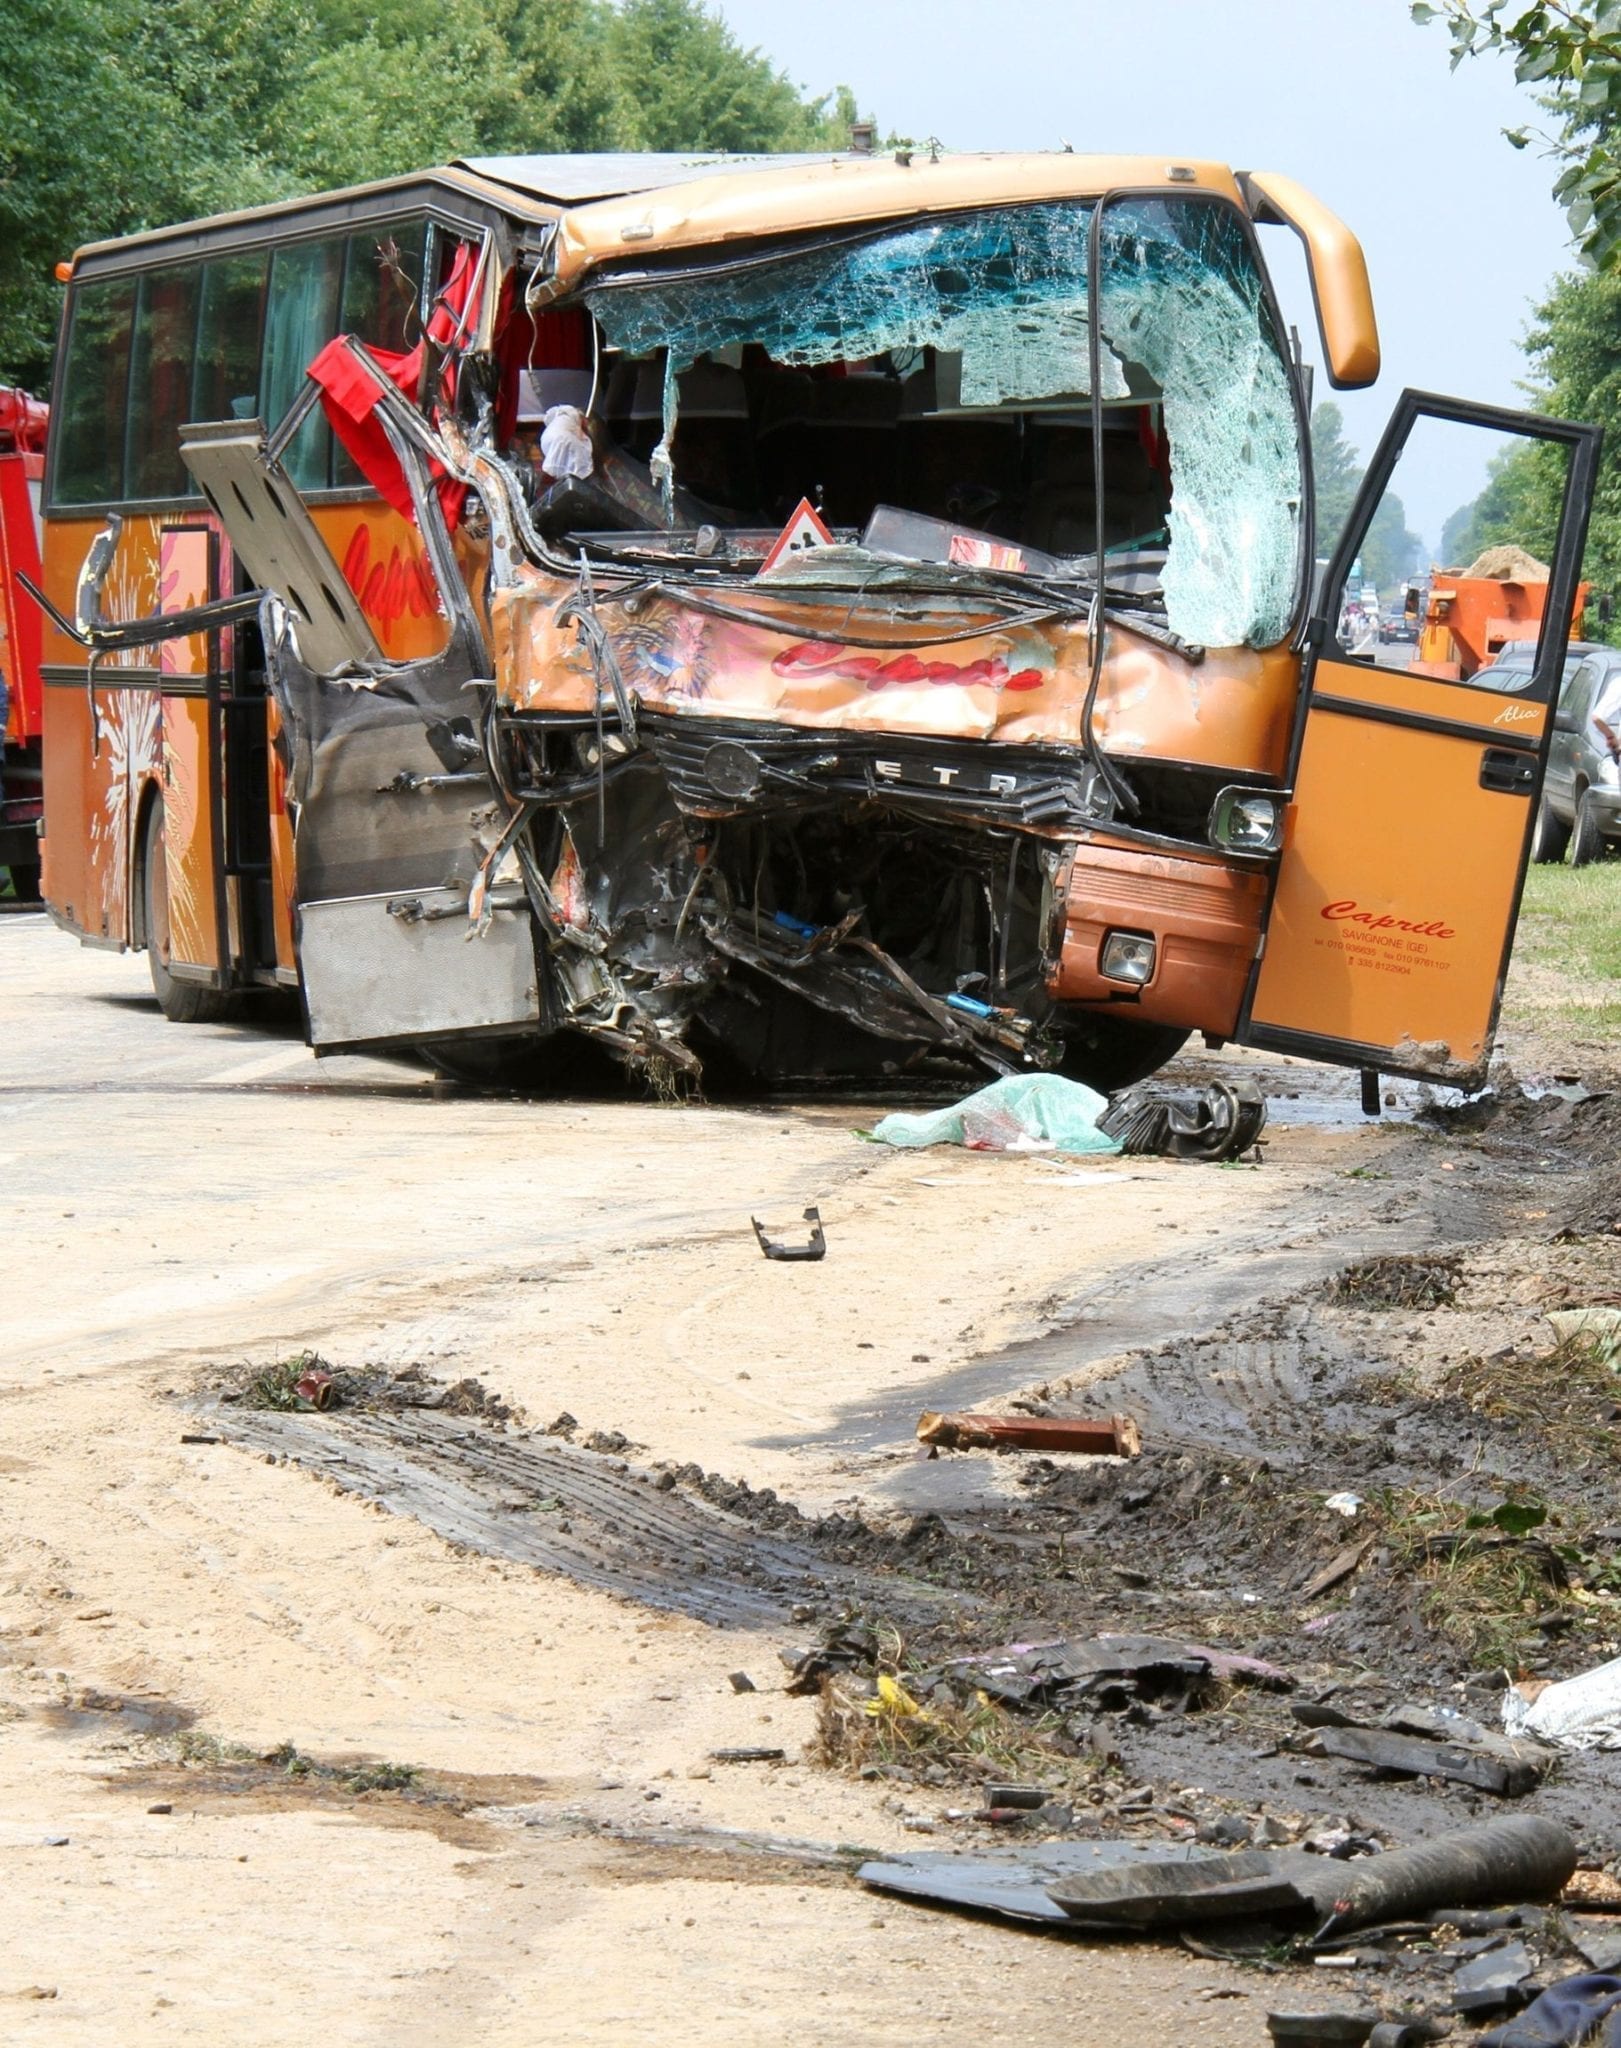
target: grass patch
1570 926
1482 1587
277 1386
893 1718
1394 1280
290 1762
975 1743
1563 1396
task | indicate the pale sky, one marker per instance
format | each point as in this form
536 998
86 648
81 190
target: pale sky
1461 234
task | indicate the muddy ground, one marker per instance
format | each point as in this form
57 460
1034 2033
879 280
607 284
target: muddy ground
401 1719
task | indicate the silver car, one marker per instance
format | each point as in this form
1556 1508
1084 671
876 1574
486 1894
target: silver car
1581 795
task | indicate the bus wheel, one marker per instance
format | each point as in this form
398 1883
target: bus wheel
182 1002
1107 1053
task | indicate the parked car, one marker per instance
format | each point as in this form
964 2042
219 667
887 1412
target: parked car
1581 797
1580 806
1581 794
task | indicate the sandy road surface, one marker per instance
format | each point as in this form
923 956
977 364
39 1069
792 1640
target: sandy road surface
187 1198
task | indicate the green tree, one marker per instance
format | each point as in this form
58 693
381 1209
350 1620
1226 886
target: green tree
1336 473
1575 54
1390 551
115 118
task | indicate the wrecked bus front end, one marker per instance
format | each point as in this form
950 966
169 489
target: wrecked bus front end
928 780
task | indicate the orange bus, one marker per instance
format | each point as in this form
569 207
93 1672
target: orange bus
825 613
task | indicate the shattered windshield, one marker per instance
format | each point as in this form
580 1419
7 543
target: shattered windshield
979 323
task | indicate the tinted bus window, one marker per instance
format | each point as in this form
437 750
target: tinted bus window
382 282
87 437
230 334
304 283
161 353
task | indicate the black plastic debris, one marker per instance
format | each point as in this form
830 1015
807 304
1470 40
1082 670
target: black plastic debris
1107 1672
815 1246
843 1646
1491 1982
1321 2029
1128 1885
1222 1120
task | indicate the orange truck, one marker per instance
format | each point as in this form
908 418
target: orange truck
1470 615
22 466
822 614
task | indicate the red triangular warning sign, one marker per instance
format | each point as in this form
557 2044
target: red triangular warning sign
804 530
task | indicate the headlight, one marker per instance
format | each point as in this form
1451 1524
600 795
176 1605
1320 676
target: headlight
1248 820
1127 956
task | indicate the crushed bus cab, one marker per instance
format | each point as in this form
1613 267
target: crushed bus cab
817 613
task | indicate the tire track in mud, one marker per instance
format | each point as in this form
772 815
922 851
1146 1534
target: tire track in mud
540 1501
1188 1295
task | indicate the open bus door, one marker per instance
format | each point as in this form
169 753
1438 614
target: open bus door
1405 841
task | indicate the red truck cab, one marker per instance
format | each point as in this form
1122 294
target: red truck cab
22 464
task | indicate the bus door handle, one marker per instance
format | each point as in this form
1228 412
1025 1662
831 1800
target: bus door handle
1509 771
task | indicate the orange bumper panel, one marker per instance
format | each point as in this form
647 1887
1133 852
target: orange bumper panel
1205 919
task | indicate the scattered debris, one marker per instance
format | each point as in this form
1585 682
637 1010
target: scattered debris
1338 1568
1484 1766
815 1246
1345 1504
1490 1983
1119 1437
1595 1329
740 1681
1577 1713
1399 1280
1019 1113
1105 1671
1567 2012
747 1755
295 1385
1321 2029
1113 1885
1220 1121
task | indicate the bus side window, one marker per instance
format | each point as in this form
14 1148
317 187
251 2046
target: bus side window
382 284
304 282
87 438
161 352
230 333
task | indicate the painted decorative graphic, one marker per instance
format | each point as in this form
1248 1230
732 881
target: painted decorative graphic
390 590
815 658
131 745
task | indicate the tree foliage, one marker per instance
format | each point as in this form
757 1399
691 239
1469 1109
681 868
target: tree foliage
1574 350
1574 53
1390 552
115 118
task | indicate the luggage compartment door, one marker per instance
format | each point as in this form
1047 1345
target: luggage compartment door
1414 782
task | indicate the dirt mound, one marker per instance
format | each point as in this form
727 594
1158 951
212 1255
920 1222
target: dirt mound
1508 564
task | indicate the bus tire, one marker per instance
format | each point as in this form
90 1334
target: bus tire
1586 840
1549 836
1108 1053
182 1002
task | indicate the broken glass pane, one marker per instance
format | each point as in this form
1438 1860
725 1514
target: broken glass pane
1185 323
